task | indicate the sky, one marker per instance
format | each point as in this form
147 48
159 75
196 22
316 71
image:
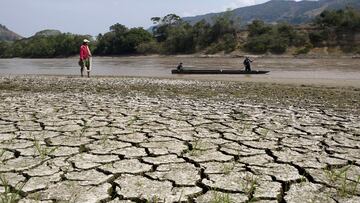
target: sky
26 17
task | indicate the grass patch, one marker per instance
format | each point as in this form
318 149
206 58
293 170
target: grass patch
43 151
227 168
221 198
2 152
339 179
196 149
249 185
10 194
155 199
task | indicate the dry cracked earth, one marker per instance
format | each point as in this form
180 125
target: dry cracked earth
131 140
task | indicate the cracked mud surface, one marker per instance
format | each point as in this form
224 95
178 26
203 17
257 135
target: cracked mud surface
159 140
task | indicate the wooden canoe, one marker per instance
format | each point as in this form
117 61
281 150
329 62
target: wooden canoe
216 71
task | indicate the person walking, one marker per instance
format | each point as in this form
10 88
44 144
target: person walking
85 55
247 64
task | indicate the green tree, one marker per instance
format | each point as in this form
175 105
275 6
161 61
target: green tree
318 38
180 39
258 27
336 26
151 47
202 34
342 20
273 38
230 42
113 42
287 32
258 44
278 44
4 48
104 44
16 49
223 24
176 36
162 25
118 29
171 19
45 46
135 37
121 40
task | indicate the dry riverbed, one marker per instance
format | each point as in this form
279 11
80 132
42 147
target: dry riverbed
123 139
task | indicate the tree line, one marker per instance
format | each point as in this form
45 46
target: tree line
61 45
171 35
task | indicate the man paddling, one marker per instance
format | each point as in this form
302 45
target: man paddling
247 63
85 55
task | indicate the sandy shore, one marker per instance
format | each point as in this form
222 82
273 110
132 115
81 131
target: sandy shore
126 139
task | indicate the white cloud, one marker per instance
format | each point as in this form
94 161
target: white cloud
242 3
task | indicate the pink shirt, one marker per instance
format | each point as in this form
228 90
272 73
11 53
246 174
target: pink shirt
84 52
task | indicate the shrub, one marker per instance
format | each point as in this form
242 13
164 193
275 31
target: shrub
259 44
278 45
304 50
230 43
215 48
318 37
151 47
4 46
300 39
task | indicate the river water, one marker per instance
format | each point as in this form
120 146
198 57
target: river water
340 72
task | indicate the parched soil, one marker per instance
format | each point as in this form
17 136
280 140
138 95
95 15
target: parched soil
66 139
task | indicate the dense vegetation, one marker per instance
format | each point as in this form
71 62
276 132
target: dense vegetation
290 11
337 28
61 45
171 35
176 36
121 40
273 38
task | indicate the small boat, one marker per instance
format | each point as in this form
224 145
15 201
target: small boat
216 71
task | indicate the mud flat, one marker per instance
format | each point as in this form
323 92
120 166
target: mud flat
67 139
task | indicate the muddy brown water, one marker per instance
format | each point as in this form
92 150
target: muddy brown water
334 72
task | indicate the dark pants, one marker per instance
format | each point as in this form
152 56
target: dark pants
85 64
247 67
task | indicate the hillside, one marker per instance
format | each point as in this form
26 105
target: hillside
47 32
282 10
8 35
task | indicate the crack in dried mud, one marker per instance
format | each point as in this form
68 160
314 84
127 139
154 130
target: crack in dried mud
125 140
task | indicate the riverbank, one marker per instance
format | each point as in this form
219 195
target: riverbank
111 139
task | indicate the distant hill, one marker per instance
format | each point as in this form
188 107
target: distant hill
47 32
282 10
8 35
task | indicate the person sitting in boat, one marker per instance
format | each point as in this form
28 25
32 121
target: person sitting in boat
180 67
247 64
